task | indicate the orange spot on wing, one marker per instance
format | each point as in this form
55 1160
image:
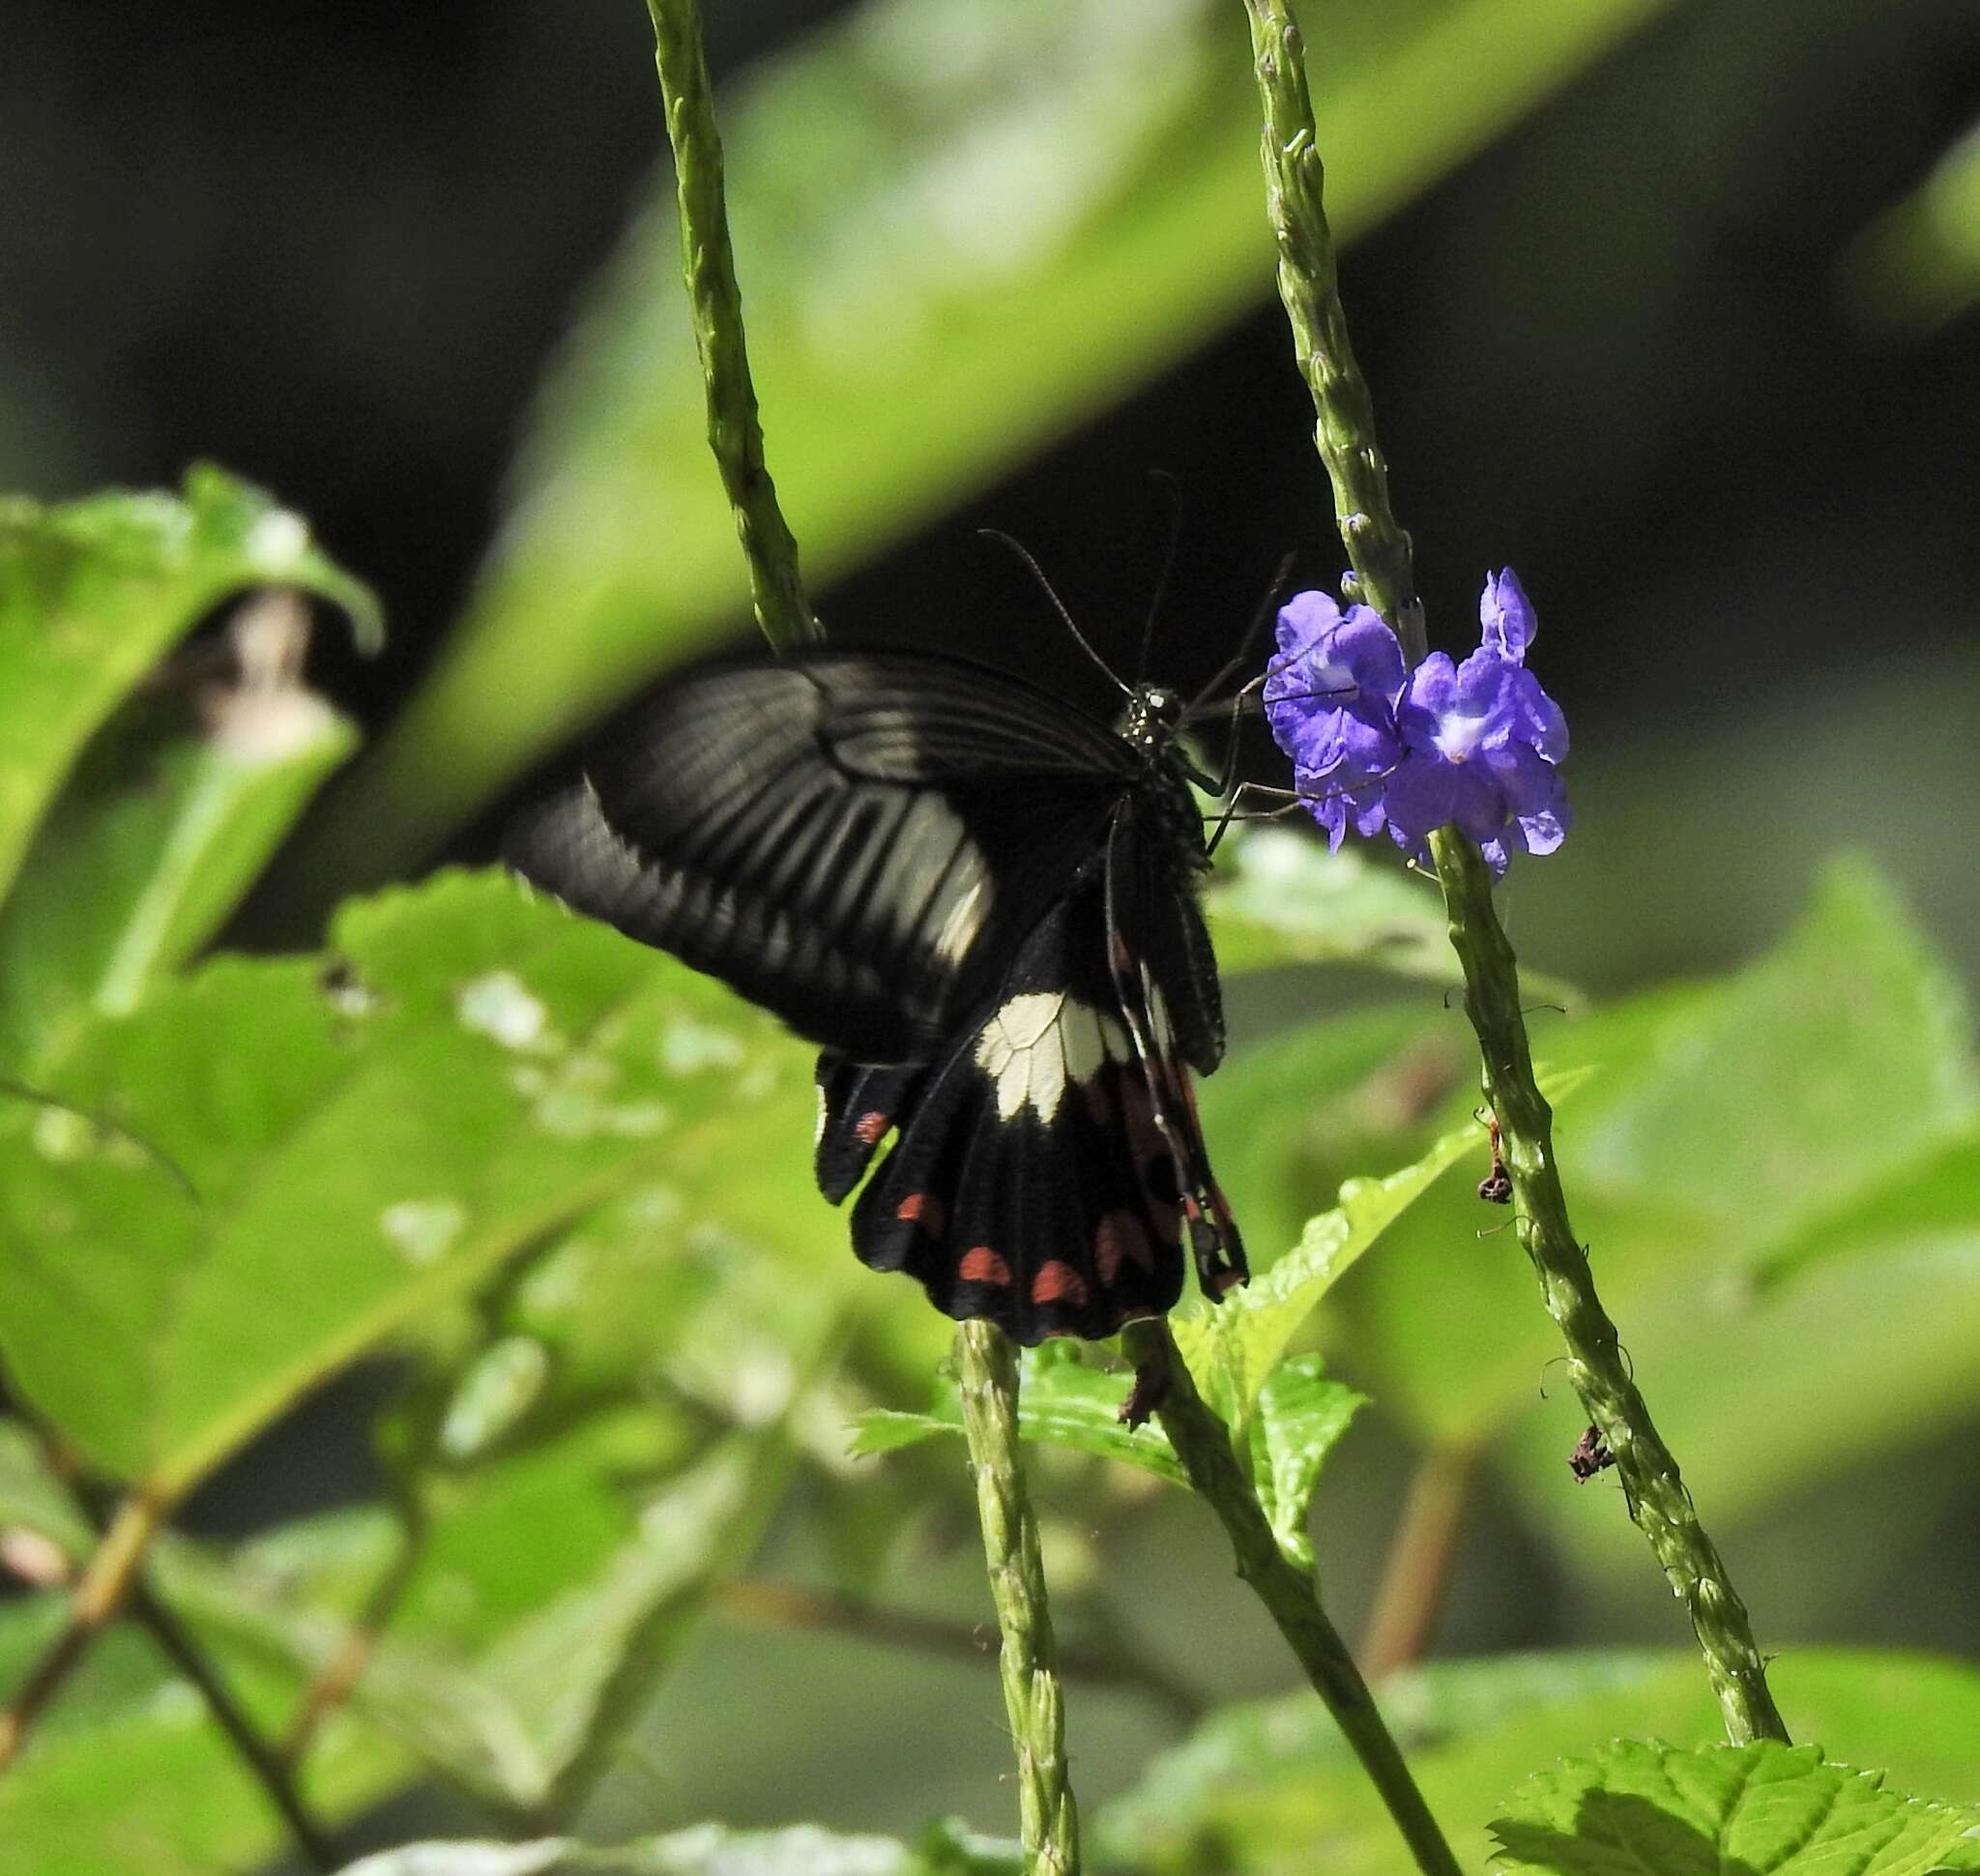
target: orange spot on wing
982 1264
870 1127
1058 1282
923 1208
1121 1235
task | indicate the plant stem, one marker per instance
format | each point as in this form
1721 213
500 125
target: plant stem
337 1679
986 1364
1654 1491
1415 1577
263 1762
1287 1589
109 1580
1378 550
716 302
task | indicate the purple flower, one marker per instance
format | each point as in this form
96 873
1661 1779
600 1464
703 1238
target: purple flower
1331 701
1474 746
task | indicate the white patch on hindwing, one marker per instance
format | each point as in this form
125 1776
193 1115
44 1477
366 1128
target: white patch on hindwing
1037 1042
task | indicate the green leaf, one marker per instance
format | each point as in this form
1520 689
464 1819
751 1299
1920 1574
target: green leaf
581 1670
1771 1097
1269 1787
1061 1402
1293 1114
1232 1348
960 231
1918 264
362 1141
1933 1199
709 1849
127 1772
92 594
1725 1119
1766 1809
1281 898
158 833
1300 1415
32 1498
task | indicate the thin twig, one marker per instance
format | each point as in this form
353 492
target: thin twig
799 1605
986 1364
336 1679
1417 1570
1287 1589
708 262
106 1582
262 1760
1379 552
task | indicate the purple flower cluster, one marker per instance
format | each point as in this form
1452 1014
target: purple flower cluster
1476 745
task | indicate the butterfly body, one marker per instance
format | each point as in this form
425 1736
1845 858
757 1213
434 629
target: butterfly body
982 905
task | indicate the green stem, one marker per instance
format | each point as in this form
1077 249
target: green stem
1379 552
715 301
986 1364
1655 1493
1288 1590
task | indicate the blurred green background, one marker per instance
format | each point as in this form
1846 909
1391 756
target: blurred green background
1669 307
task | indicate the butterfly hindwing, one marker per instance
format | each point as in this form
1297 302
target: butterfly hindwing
1030 1180
856 841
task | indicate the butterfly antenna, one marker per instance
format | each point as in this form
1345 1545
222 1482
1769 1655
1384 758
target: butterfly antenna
1038 572
1251 631
1148 630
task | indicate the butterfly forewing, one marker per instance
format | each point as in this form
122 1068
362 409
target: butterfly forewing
858 842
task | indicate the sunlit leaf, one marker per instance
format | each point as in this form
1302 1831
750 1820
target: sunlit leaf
1290 1115
709 1850
1300 1415
93 591
1768 1808
157 835
1061 1402
1231 1349
1280 897
1269 1788
350 1142
1933 1199
1918 264
1723 1118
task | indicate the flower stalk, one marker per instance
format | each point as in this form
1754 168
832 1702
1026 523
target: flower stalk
1380 553
1048 1820
714 299
1286 1588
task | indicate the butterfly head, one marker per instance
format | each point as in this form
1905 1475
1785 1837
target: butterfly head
1152 718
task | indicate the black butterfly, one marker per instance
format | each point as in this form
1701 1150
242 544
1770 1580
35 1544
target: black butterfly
983 904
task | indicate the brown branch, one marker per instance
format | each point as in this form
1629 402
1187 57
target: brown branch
337 1677
262 1760
799 1605
107 1584
1416 1571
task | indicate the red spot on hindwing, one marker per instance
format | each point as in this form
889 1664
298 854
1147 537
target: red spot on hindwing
982 1264
868 1127
1058 1282
923 1208
1119 1236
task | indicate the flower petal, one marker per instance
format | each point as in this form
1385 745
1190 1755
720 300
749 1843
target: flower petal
1506 615
1536 719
